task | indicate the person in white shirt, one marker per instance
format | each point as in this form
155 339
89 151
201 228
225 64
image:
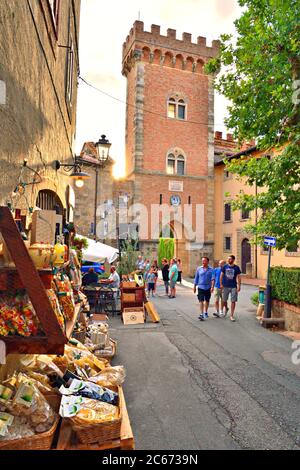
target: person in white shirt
114 278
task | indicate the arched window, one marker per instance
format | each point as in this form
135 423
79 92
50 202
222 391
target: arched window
171 164
180 165
175 165
176 109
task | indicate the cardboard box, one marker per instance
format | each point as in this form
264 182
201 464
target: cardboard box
43 227
133 316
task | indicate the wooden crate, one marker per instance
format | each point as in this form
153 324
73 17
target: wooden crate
128 297
133 316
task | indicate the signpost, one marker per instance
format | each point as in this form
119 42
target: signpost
270 242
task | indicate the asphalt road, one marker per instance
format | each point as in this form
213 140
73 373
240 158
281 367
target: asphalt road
208 385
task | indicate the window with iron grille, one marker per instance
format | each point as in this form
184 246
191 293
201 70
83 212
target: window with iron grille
227 212
227 243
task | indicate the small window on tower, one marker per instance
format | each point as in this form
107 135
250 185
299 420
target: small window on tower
172 109
181 109
176 109
180 165
171 165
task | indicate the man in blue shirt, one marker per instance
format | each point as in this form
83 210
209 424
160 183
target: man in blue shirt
204 281
230 282
218 290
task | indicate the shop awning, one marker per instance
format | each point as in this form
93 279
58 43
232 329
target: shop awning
99 252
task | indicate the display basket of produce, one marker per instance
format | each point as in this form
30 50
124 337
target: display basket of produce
108 354
99 432
41 441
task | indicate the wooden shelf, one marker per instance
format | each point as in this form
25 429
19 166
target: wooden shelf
71 323
54 340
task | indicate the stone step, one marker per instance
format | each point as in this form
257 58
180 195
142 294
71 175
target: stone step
269 322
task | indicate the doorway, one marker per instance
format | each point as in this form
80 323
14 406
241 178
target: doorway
246 254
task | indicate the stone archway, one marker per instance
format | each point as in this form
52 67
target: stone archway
180 240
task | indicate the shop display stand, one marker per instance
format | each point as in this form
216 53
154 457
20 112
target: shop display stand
67 439
54 339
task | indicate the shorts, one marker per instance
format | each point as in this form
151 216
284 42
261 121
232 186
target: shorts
218 293
204 295
151 286
173 284
233 294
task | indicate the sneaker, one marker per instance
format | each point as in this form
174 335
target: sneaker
206 315
216 314
201 317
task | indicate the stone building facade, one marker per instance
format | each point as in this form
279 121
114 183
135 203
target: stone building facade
231 235
38 76
170 136
97 193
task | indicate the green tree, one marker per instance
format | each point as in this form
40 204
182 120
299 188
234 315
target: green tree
260 75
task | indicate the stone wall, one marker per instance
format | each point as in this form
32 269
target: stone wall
290 313
37 121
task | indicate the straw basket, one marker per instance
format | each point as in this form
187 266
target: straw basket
99 433
38 442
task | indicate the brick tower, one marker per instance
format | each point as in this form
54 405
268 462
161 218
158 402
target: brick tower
170 131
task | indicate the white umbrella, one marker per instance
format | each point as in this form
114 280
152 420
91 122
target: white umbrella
98 252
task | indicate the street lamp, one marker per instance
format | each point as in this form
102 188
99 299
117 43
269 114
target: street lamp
77 175
102 146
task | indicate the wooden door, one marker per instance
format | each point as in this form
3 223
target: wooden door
246 254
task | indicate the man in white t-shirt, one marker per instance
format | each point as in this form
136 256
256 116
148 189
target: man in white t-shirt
114 278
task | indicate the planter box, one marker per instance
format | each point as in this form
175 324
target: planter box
290 313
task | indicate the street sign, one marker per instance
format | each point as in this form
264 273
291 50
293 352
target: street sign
270 241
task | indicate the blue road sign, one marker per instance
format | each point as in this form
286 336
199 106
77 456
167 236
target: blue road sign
270 241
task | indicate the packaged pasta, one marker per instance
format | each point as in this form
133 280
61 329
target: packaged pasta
90 390
110 377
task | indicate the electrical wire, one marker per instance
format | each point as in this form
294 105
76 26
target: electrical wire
136 107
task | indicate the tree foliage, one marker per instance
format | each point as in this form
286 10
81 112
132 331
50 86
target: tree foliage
260 75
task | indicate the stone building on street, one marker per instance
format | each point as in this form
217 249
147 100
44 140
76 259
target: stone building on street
39 66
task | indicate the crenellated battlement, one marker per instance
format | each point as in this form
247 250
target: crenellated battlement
152 46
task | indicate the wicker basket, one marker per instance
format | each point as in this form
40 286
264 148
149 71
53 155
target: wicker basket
79 335
99 433
38 442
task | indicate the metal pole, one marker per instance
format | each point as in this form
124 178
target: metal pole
268 294
96 203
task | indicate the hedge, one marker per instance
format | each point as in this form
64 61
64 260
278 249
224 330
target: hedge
286 284
166 249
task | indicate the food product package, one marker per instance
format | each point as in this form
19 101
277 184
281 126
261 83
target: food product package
110 377
17 316
65 296
56 308
30 403
84 411
90 390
